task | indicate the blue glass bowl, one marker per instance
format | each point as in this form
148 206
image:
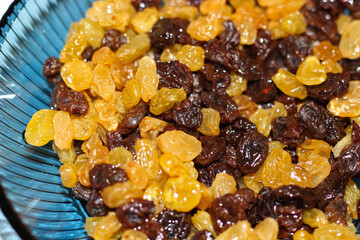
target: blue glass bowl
31 194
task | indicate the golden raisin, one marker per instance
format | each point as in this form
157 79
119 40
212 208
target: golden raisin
104 55
77 75
303 235
121 74
119 193
107 115
154 192
135 48
350 41
241 230
202 221
192 56
347 105
223 184
66 155
351 197
293 23
106 227
64 130
92 31
173 166
314 218
262 119
137 174
85 126
143 21
237 86
289 84
279 9
131 94
73 49
68 175
169 53
147 156
210 125
102 82
40 129
311 72
326 51
205 28
333 231
267 229
150 127
147 77
131 234
119 157
342 22
165 99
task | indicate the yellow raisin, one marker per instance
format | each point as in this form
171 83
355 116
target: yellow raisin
351 197
68 175
131 94
223 184
131 234
276 31
73 49
316 166
302 235
64 130
341 144
147 156
74 29
279 9
173 166
66 155
250 14
101 12
85 126
119 157
267 229
92 31
40 129
293 23
179 144
165 99
192 56
147 77
124 6
245 105
77 75
332 67
240 3
347 105
184 12
182 194
253 180
119 193
150 127
311 72
107 115
241 230
207 197
262 119
205 28
326 51
169 53
102 82
104 55
210 125
317 147
143 21
191 167
292 174
106 227
333 231
342 22
91 143
202 221
154 192
237 86
121 74
289 84
135 48
137 174
314 218
90 224
350 40
119 21
248 32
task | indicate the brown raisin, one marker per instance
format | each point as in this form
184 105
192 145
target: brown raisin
73 102
212 150
288 130
113 39
142 4
81 192
135 212
207 175
103 175
263 46
55 95
336 211
187 115
88 53
289 219
132 118
51 70
203 235
224 55
153 230
177 225
95 207
214 77
263 91
230 35
290 103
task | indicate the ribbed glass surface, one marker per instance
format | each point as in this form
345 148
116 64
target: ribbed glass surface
34 31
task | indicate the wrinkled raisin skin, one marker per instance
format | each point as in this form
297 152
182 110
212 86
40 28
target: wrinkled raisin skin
187 115
214 77
203 235
336 211
287 130
135 213
113 39
142 4
295 195
175 74
262 91
81 192
95 207
153 230
177 225
230 35
289 219
51 70
132 118
88 53
103 175
212 150
73 102
207 175
55 95
252 150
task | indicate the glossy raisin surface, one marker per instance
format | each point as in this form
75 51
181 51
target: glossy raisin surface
187 115
135 212
103 175
177 225
113 39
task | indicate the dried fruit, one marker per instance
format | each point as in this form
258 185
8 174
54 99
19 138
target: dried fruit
165 99
349 42
143 21
135 48
40 129
289 84
73 49
311 72
77 75
210 124
205 28
63 130
192 56
147 77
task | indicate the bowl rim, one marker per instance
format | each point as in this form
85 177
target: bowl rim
6 205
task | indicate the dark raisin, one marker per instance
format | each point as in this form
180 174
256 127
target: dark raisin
177 225
153 230
73 102
95 207
229 157
335 7
336 211
358 208
221 54
81 192
295 195
289 102
266 204
55 95
251 150
203 235
355 134
351 66
212 150
129 142
175 74
348 162
135 212
167 31
313 118
263 46
113 140
287 130
88 53
52 66
294 49
113 39
262 91
77 147
214 77
103 175
249 68
142 4
225 212
237 129
222 103
230 35
195 3
353 6
189 131
336 85
207 175
132 118
187 115
245 197
335 131
289 219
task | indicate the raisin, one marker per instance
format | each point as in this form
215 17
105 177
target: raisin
207 175
51 70
77 147
177 225
336 211
95 207
348 162
335 131
140 5
167 31
103 175
219 53
175 74
187 115
153 230
212 150
189 131
230 35
235 131
113 140
129 142
225 212
73 102
263 91
288 130
266 204
358 208
88 53
113 39
132 118
355 134
249 68
135 212
289 219
195 3
294 49
336 85
222 103
313 118
295 195
55 95
214 77
81 192
290 103
352 66
353 6
252 150
245 197
263 47
203 235
334 7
